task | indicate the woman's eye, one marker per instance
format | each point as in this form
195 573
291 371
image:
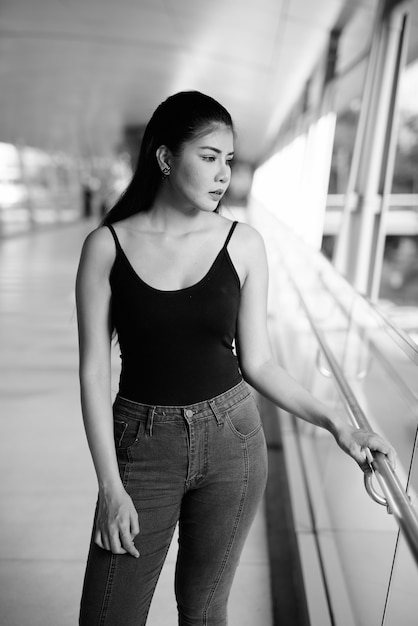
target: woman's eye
208 158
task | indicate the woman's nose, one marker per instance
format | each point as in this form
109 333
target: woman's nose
223 173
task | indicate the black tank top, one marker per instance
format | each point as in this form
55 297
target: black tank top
176 346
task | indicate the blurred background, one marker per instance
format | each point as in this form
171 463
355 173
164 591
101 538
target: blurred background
80 79
324 96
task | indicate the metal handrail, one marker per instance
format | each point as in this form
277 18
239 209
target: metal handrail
407 345
405 342
395 498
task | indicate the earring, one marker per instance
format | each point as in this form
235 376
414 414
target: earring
166 171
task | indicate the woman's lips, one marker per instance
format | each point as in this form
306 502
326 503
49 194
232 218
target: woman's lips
216 195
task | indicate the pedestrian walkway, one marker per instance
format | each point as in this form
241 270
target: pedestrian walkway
47 485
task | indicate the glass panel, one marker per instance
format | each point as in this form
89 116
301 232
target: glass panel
383 377
353 48
399 282
347 106
356 35
402 606
380 371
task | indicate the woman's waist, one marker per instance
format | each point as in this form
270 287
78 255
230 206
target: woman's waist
171 412
169 383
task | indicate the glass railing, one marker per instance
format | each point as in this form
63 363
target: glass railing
340 347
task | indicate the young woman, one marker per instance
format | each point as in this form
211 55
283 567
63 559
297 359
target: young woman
180 285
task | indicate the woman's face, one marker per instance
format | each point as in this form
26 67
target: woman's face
201 173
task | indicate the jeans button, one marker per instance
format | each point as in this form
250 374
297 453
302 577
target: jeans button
188 413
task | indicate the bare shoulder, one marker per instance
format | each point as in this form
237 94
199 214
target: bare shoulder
99 240
247 252
99 248
249 239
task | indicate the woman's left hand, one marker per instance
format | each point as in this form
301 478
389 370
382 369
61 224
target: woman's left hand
354 442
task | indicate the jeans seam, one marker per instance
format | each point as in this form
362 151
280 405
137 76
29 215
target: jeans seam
112 565
233 535
125 426
237 433
230 423
239 402
108 591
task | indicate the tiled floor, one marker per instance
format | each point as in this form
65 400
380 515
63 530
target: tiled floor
47 484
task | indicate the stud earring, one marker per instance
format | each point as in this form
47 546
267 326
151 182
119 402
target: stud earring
166 171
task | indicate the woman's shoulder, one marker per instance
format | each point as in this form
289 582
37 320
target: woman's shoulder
247 236
99 246
242 229
100 238
133 224
246 249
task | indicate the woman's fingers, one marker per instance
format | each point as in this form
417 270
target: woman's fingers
391 454
134 523
134 531
117 523
356 442
102 539
128 542
116 545
111 541
117 540
360 456
98 539
377 444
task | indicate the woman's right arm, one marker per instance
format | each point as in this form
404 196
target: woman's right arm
117 519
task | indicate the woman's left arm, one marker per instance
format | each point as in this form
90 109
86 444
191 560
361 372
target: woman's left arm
261 371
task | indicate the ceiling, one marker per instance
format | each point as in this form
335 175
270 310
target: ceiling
74 73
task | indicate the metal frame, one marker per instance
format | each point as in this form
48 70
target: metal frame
360 246
395 498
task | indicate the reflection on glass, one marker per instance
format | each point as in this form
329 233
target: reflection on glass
347 105
357 537
402 604
399 282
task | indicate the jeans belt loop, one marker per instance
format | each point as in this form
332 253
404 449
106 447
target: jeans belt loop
217 413
150 421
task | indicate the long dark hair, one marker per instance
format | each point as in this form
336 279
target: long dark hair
180 118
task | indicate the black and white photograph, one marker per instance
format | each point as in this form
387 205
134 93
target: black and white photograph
208 313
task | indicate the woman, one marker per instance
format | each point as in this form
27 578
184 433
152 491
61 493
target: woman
180 285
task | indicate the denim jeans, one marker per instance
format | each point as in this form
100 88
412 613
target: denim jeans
202 466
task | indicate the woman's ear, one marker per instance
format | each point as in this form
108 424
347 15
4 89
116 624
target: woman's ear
163 158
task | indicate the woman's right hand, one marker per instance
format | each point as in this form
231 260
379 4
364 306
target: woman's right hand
117 523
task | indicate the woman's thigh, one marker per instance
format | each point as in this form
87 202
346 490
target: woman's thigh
118 588
217 513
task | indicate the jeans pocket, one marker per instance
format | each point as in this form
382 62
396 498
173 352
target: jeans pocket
243 418
127 431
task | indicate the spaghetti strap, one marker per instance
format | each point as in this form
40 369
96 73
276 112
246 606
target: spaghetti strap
115 237
231 230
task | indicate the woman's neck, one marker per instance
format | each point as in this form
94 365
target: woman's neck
167 216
